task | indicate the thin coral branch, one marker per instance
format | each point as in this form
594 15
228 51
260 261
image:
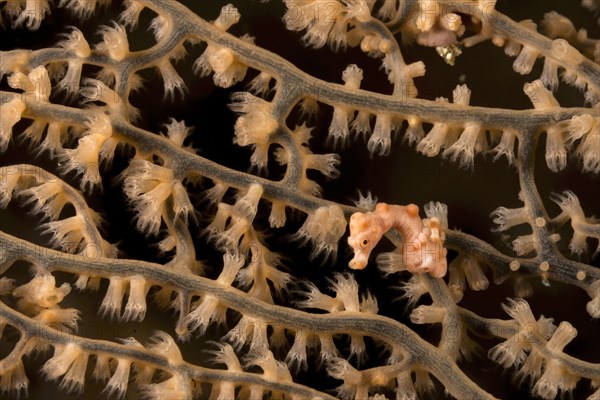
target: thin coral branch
381 328
147 357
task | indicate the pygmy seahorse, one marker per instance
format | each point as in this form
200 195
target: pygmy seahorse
422 240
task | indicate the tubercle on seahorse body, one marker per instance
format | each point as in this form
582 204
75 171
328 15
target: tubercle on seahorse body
423 248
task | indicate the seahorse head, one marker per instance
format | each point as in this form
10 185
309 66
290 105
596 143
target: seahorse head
365 231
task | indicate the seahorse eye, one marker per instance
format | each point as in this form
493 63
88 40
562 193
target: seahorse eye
365 242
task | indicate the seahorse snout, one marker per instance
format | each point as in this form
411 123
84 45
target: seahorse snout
358 262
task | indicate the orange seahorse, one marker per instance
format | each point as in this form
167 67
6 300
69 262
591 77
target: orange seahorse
423 248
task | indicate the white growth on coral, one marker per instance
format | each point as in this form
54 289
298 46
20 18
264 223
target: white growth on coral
323 228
